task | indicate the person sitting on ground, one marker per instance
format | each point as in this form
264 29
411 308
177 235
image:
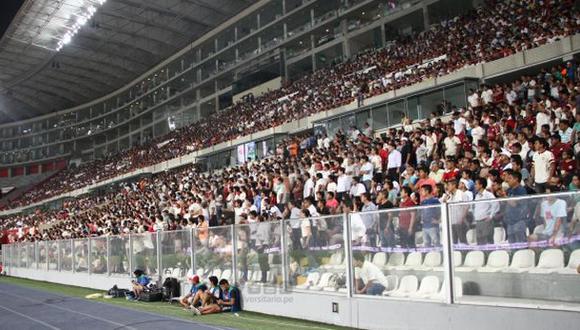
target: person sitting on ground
140 283
188 300
230 297
209 306
203 291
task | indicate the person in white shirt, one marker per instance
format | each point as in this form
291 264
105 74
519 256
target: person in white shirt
342 184
459 123
393 163
542 118
308 188
487 95
357 188
373 279
473 99
553 211
451 143
542 165
458 213
483 212
366 170
477 132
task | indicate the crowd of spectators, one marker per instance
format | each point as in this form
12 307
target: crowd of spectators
497 29
512 139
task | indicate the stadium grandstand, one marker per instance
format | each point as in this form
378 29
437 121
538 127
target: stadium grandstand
318 164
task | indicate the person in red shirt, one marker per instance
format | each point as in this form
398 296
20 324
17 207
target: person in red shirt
567 166
424 179
331 202
557 146
493 129
407 219
452 172
384 154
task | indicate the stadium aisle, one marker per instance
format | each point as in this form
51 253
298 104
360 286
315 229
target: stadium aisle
24 308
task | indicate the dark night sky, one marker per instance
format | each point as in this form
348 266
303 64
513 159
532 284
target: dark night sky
8 8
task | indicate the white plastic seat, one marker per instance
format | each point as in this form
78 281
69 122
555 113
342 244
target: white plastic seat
432 260
311 280
335 261
217 273
227 274
199 272
496 261
538 229
471 238
473 260
393 281
457 261
551 261
395 259
429 286
419 238
407 286
573 263
522 261
256 276
176 273
458 289
499 235
414 259
323 283
380 259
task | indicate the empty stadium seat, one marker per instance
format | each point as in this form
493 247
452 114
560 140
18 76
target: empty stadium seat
407 286
471 237
499 235
522 261
496 261
311 280
457 261
380 259
395 259
217 273
227 274
538 229
429 287
573 263
551 260
414 259
458 289
334 262
473 260
432 260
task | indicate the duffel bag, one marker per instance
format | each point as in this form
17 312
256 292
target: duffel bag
153 295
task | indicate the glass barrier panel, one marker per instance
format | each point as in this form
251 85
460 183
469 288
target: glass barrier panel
144 253
52 255
81 255
42 249
176 253
316 254
119 255
23 255
258 253
519 250
66 255
397 253
32 262
98 248
213 252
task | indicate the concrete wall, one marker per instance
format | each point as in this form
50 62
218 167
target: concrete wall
358 312
270 85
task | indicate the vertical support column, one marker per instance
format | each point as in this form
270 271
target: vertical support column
313 54
72 249
130 256
284 254
108 256
426 21
383 35
89 256
285 29
348 255
159 270
258 24
234 254
447 255
192 256
345 42
236 34
284 8
59 257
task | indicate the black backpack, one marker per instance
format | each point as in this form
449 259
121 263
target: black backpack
171 288
115 292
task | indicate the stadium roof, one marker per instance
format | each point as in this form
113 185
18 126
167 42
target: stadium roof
122 40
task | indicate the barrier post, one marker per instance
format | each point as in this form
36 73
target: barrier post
192 256
59 257
284 256
130 256
72 249
159 270
348 255
108 255
234 254
447 242
89 257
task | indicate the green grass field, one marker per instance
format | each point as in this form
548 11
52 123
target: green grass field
245 320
